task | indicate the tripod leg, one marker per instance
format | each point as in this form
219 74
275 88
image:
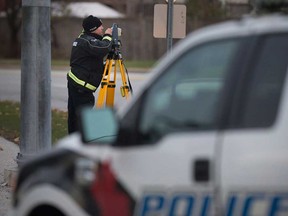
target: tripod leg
124 89
111 89
104 84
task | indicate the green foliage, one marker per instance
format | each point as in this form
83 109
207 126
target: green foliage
10 122
205 9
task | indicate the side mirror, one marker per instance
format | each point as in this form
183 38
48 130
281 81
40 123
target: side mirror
98 125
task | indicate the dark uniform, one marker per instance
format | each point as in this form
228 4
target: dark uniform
87 68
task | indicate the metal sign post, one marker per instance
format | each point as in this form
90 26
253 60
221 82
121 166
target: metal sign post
169 35
169 22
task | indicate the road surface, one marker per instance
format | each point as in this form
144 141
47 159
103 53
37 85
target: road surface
10 86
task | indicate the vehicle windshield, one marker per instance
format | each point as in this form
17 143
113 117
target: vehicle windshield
187 95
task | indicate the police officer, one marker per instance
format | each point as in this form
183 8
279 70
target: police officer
86 62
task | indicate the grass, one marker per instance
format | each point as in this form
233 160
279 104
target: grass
145 64
140 64
10 122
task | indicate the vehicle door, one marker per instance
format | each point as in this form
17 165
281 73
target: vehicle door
254 162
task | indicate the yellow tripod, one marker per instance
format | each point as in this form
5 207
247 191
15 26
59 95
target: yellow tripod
108 82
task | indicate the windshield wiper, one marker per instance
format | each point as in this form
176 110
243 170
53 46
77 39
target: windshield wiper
174 123
102 137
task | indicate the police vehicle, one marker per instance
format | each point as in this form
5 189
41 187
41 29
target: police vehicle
207 135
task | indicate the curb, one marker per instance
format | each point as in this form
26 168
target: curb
10 176
8 164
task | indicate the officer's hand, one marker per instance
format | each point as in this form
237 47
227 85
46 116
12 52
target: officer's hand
108 31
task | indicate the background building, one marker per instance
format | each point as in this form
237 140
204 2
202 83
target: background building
135 17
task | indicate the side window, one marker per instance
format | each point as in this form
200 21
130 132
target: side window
187 94
266 82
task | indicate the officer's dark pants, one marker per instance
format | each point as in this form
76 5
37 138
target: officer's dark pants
77 98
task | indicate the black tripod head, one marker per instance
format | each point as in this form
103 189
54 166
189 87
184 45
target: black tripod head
115 36
115 52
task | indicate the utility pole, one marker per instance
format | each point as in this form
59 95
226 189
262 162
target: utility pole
35 133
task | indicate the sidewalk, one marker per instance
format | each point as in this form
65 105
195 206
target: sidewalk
8 153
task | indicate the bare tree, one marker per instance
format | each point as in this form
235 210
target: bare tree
12 10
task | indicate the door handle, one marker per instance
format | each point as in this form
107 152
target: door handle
201 170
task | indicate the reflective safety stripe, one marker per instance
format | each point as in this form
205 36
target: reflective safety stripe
81 82
107 38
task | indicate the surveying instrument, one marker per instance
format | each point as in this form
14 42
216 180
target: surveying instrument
108 82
